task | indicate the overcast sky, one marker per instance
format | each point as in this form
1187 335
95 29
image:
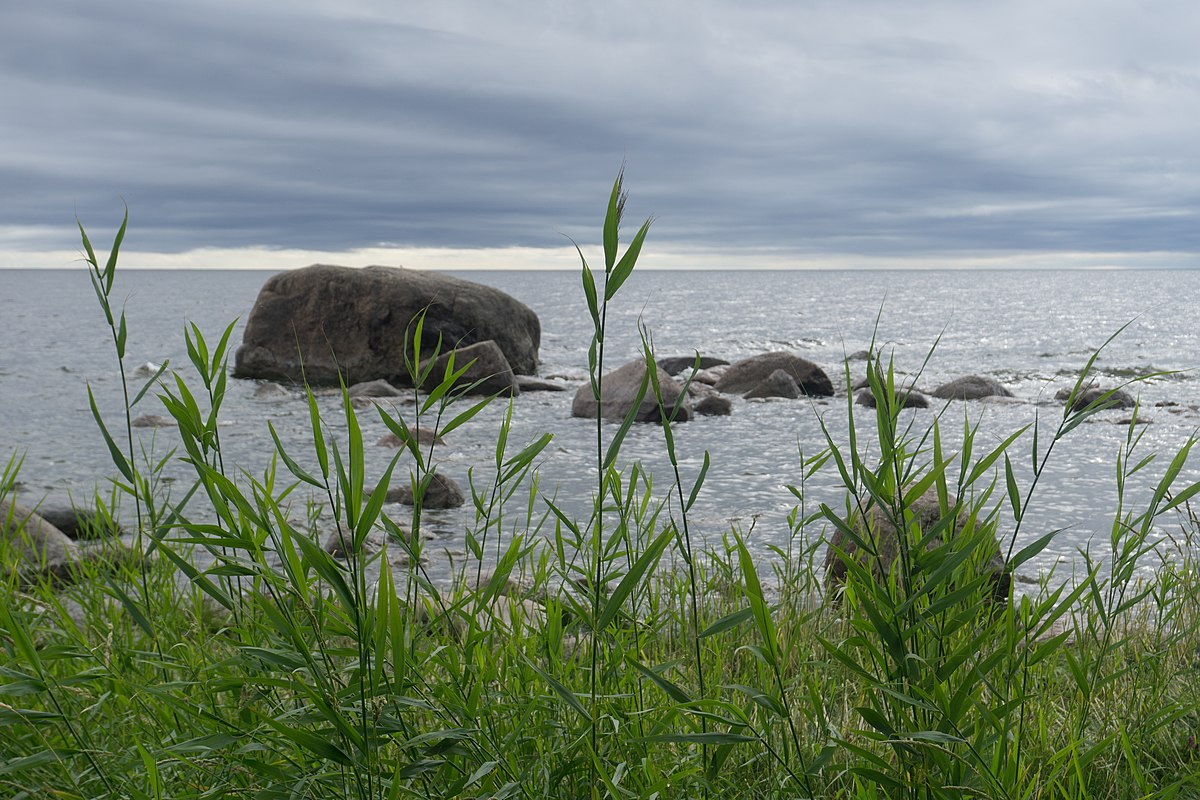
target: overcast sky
475 133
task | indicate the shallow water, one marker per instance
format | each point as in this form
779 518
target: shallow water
1033 331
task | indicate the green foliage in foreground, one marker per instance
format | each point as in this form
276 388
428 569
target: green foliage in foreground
601 656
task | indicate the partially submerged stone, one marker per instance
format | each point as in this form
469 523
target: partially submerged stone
620 390
971 387
442 492
906 398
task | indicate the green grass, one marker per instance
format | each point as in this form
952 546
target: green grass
606 656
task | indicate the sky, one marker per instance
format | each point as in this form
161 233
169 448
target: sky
473 134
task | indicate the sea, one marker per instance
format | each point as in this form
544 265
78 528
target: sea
1034 331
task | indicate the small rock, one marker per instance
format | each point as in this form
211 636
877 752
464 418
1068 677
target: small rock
778 384
442 492
272 392
1119 399
147 370
375 388
907 399
713 405
527 383
425 437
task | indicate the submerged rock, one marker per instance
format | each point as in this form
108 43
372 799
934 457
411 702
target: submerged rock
153 421
971 387
324 322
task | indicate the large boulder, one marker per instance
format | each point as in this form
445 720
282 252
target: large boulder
971 387
874 526
744 375
620 388
357 321
488 372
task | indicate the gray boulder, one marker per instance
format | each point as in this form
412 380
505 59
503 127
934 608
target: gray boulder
744 375
875 527
620 388
357 321
971 387
488 371
777 384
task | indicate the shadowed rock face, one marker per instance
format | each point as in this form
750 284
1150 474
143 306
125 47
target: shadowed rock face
355 320
744 375
875 526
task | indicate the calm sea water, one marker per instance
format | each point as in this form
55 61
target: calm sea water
1033 331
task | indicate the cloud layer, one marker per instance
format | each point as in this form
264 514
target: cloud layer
935 130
